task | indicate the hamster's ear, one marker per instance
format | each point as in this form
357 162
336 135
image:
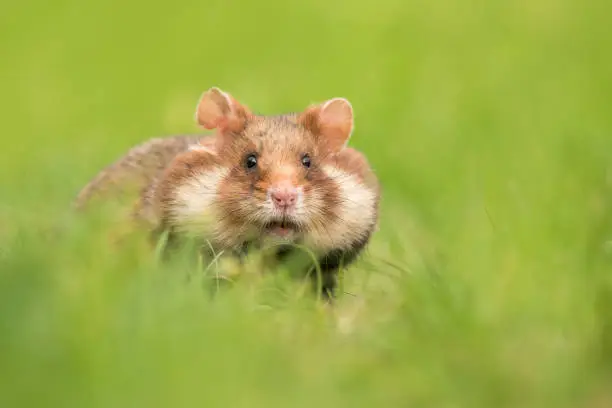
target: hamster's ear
332 121
219 110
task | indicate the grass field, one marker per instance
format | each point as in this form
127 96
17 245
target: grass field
488 284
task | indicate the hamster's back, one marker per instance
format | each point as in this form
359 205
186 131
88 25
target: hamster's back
135 170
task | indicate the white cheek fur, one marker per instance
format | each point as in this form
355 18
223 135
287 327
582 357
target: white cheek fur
356 213
194 202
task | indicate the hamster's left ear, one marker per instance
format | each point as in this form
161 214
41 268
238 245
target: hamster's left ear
331 121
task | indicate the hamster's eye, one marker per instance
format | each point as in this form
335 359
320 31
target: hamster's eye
306 160
251 161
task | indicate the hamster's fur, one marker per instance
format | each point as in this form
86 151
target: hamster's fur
288 179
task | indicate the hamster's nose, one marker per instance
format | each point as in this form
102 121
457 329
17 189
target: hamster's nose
284 197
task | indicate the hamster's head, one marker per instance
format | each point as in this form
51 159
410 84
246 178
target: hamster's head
275 177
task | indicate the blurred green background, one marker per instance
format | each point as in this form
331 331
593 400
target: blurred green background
487 285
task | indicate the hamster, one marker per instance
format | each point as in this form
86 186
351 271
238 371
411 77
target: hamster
287 179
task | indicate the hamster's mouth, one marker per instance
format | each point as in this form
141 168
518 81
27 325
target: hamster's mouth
282 228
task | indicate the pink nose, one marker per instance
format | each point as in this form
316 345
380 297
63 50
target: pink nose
284 198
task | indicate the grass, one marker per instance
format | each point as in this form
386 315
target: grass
487 285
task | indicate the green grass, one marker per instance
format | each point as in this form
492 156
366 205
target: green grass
487 285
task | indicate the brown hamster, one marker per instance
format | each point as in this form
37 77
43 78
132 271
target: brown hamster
286 179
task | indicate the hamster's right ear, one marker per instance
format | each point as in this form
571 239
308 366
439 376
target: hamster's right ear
219 110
